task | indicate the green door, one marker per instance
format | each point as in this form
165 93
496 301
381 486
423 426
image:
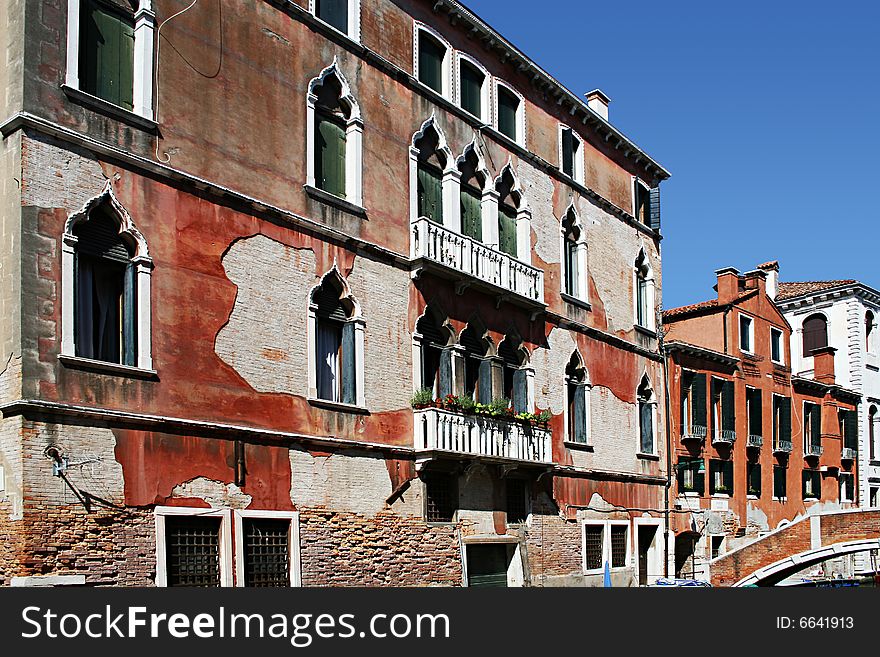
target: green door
487 564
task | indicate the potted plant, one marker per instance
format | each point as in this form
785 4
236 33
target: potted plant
422 398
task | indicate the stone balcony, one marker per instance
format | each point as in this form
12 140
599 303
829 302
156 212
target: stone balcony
471 263
443 431
782 447
724 437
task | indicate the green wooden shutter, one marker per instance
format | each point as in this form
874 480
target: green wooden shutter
851 429
779 483
698 399
330 156
471 213
815 424
754 479
106 57
471 89
508 104
727 475
129 316
728 409
430 194
580 413
520 391
654 208
334 12
507 230
571 268
646 425
755 412
784 418
567 152
431 56
445 386
485 382
349 371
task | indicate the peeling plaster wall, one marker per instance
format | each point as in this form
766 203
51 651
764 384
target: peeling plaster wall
217 494
265 338
67 178
549 367
539 192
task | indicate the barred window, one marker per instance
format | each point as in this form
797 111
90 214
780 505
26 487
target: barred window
193 550
618 546
440 497
267 552
594 539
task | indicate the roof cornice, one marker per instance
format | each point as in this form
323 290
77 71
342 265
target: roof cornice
543 81
701 352
837 390
859 290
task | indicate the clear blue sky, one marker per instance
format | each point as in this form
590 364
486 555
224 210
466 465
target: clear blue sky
767 114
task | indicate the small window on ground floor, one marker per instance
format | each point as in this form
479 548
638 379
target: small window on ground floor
618 545
517 505
440 497
594 541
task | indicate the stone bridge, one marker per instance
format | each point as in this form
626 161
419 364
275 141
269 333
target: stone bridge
807 541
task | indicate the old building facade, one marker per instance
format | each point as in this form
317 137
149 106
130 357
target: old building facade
238 238
755 445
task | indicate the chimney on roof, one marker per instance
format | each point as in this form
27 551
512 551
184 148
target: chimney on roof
772 269
728 284
598 102
823 365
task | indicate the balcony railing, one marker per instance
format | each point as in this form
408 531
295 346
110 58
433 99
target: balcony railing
813 450
693 432
434 243
755 440
447 431
782 447
848 454
724 437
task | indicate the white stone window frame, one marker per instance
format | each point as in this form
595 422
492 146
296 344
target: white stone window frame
359 331
520 112
523 217
239 516
781 334
143 273
144 48
871 340
587 392
582 292
485 90
808 434
606 545
650 301
842 478
448 59
526 366
451 342
651 400
636 183
450 183
751 335
354 19
489 197
225 540
354 136
578 168
515 569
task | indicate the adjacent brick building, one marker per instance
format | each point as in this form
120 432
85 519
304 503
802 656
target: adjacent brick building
754 445
230 256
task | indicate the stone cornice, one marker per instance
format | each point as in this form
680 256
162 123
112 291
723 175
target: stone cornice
858 290
701 352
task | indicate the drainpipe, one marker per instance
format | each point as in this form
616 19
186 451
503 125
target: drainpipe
662 347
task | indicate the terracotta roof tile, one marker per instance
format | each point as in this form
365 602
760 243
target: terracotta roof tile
791 290
703 305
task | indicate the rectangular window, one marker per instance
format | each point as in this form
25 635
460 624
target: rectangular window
776 345
618 546
508 111
571 152
693 404
106 53
642 318
517 510
471 81
717 545
754 408
781 423
641 202
812 484
720 477
753 479
779 482
330 155
594 543
333 12
192 546
812 429
266 552
849 429
847 487
745 333
723 410
691 475
440 497
431 56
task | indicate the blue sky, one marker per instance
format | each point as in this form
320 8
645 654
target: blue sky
767 114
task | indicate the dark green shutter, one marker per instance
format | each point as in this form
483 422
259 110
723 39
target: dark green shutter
580 413
520 391
755 412
334 12
698 399
728 409
646 426
129 316
654 208
349 372
507 230
779 483
485 387
815 424
445 386
431 56
471 89
508 104
471 213
430 194
754 479
727 476
784 418
851 429
106 58
567 152
330 155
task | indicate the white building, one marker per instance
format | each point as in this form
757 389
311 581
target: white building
842 314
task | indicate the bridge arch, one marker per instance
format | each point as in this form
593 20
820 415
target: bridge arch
778 571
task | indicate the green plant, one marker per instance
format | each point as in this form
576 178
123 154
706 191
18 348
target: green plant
500 408
544 416
422 398
467 404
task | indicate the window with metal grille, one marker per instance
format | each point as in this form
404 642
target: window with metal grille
266 552
440 497
192 545
594 539
517 508
618 546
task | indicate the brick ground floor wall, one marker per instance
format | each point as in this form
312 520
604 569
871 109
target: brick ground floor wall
554 547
